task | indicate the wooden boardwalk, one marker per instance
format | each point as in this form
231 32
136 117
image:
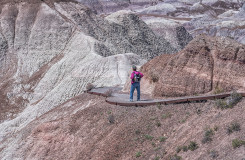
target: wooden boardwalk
122 99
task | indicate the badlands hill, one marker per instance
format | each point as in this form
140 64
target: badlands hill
205 65
86 127
212 17
50 50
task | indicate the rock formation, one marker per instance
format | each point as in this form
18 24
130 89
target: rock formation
205 65
50 50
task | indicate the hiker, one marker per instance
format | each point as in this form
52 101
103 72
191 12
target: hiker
135 83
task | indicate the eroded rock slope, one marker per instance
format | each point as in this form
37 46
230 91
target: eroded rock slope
205 65
51 49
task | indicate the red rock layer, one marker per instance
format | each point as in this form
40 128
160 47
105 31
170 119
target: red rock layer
206 64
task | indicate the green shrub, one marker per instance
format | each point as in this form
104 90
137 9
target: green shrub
236 143
178 149
185 148
162 139
138 154
111 119
149 137
230 102
193 146
221 103
175 157
137 132
234 98
158 124
233 127
216 128
157 158
208 136
218 90
153 144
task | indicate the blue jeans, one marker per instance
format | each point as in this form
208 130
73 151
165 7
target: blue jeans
133 86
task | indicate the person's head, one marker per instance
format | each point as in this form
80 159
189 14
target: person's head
134 68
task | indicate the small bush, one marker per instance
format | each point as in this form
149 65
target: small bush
162 139
234 98
230 102
208 136
108 93
111 119
199 111
178 149
149 137
157 158
221 103
89 86
185 148
137 132
138 154
236 143
233 127
218 90
153 144
158 124
216 128
193 146
213 154
175 157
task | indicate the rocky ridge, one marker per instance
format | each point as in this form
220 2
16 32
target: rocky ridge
50 50
205 65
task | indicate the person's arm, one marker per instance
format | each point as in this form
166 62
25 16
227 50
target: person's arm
132 75
141 75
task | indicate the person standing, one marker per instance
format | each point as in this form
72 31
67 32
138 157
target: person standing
135 83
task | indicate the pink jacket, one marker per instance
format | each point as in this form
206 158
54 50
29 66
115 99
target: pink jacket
132 75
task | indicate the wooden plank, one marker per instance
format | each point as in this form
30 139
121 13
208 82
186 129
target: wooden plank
220 96
201 98
172 101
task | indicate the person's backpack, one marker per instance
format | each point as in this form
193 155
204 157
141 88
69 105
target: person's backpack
137 77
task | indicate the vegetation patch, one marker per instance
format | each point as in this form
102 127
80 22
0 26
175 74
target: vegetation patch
111 119
235 126
162 139
148 137
229 102
218 90
157 158
175 157
137 132
192 146
138 154
208 136
158 124
236 143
